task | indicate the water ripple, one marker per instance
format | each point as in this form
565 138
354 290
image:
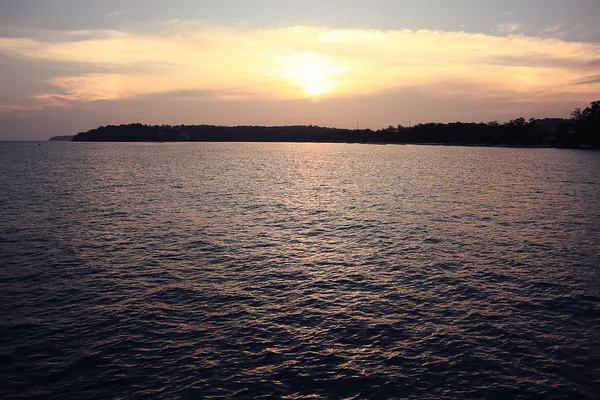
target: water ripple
298 271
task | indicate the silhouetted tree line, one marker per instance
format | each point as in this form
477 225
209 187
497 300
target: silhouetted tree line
581 131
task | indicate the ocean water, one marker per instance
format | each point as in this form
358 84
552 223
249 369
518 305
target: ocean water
315 271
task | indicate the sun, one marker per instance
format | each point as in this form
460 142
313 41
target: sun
313 74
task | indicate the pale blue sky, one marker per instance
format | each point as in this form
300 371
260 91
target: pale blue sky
574 19
43 78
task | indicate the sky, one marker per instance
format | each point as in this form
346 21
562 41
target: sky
68 66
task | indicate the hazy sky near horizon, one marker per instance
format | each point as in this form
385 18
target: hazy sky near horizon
71 65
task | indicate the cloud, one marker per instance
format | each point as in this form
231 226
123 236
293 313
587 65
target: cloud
305 62
116 13
588 80
545 60
507 28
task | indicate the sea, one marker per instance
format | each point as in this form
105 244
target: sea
298 271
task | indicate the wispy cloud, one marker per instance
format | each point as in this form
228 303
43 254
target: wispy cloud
566 30
115 13
588 80
507 28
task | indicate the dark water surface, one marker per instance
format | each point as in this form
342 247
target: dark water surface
298 271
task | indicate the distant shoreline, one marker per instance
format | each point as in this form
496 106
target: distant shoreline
505 146
547 133
64 138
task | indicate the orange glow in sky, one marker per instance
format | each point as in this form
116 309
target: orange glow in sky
200 72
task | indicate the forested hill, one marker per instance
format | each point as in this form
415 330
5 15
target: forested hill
581 131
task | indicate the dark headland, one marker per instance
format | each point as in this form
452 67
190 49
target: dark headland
582 130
